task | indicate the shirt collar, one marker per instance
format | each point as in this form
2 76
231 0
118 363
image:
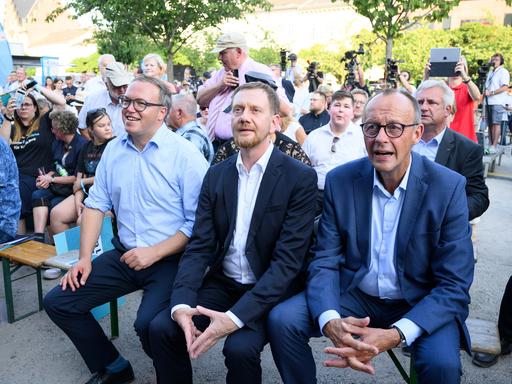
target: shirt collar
181 130
436 139
157 138
401 187
261 163
350 130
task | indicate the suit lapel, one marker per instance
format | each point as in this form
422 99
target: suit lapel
363 192
230 196
445 148
413 203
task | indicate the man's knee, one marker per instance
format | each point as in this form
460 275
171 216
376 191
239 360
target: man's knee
236 350
435 368
52 302
288 319
161 327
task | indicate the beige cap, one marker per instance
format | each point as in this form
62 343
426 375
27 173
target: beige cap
230 40
116 73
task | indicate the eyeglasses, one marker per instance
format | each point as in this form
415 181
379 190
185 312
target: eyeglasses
393 130
138 104
26 106
335 139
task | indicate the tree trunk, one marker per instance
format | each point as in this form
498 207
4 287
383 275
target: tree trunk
389 47
170 67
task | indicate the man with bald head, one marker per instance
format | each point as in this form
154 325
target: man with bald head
182 120
393 261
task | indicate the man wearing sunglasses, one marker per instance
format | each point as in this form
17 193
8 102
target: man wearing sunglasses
151 179
393 261
116 81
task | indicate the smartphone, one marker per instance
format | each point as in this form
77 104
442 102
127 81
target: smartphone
20 96
5 98
31 84
235 73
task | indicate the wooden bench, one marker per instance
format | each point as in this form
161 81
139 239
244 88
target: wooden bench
32 254
490 161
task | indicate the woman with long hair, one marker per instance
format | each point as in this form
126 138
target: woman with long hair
30 137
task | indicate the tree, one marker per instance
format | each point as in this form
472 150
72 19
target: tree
389 18
169 24
89 64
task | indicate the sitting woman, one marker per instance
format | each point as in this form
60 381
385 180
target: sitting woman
57 184
153 66
280 140
69 211
292 128
28 131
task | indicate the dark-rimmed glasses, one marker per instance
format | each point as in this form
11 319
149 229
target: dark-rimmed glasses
393 130
138 104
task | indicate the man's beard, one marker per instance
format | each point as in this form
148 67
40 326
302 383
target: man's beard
248 142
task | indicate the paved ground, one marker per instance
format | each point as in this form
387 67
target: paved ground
34 351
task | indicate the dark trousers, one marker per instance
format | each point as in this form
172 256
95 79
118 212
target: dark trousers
27 187
110 278
505 319
241 349
290 326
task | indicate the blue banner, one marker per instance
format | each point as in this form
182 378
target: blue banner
5 57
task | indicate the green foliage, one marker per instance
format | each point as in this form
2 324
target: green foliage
169 24
89 63
389 18
329 59
198 54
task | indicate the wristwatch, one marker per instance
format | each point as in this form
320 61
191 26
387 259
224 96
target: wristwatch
466 81
403 341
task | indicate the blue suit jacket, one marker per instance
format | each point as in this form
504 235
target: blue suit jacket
433 254
277 242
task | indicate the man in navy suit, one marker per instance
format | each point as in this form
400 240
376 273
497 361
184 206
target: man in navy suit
393 261
253 226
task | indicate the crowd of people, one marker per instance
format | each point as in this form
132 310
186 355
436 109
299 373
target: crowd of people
215 192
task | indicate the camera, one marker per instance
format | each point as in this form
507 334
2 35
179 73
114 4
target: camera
483 69
392 71
349 58
282 57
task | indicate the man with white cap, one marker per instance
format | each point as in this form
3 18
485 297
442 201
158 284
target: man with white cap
116 80
217 92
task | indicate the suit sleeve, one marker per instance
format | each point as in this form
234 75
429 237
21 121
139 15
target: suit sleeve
323 286
200 250
452 268
288 255
476 190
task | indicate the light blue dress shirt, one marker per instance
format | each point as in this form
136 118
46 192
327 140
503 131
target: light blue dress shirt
381 280
153 192
429 149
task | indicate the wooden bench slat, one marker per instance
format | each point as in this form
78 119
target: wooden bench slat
484 336
32 253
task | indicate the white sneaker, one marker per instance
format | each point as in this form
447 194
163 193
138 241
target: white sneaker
52 273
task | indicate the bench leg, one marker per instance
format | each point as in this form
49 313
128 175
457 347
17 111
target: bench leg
39 289
114 320
9 301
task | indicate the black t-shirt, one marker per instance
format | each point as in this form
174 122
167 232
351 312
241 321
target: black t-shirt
89 158
35 150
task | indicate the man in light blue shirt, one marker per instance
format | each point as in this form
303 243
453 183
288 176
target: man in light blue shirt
393 261
150 178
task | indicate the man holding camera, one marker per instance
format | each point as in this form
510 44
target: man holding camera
496 87
314 76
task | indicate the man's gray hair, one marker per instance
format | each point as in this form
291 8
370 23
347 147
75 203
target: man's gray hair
186 102
359 91
392 91
448 95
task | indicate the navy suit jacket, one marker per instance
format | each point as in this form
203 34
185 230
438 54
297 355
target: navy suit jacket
464 156
278 238
433 249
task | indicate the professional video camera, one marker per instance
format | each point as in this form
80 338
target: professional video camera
282 56
349 58
482 71
392 71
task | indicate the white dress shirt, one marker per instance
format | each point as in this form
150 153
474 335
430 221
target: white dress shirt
319 148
